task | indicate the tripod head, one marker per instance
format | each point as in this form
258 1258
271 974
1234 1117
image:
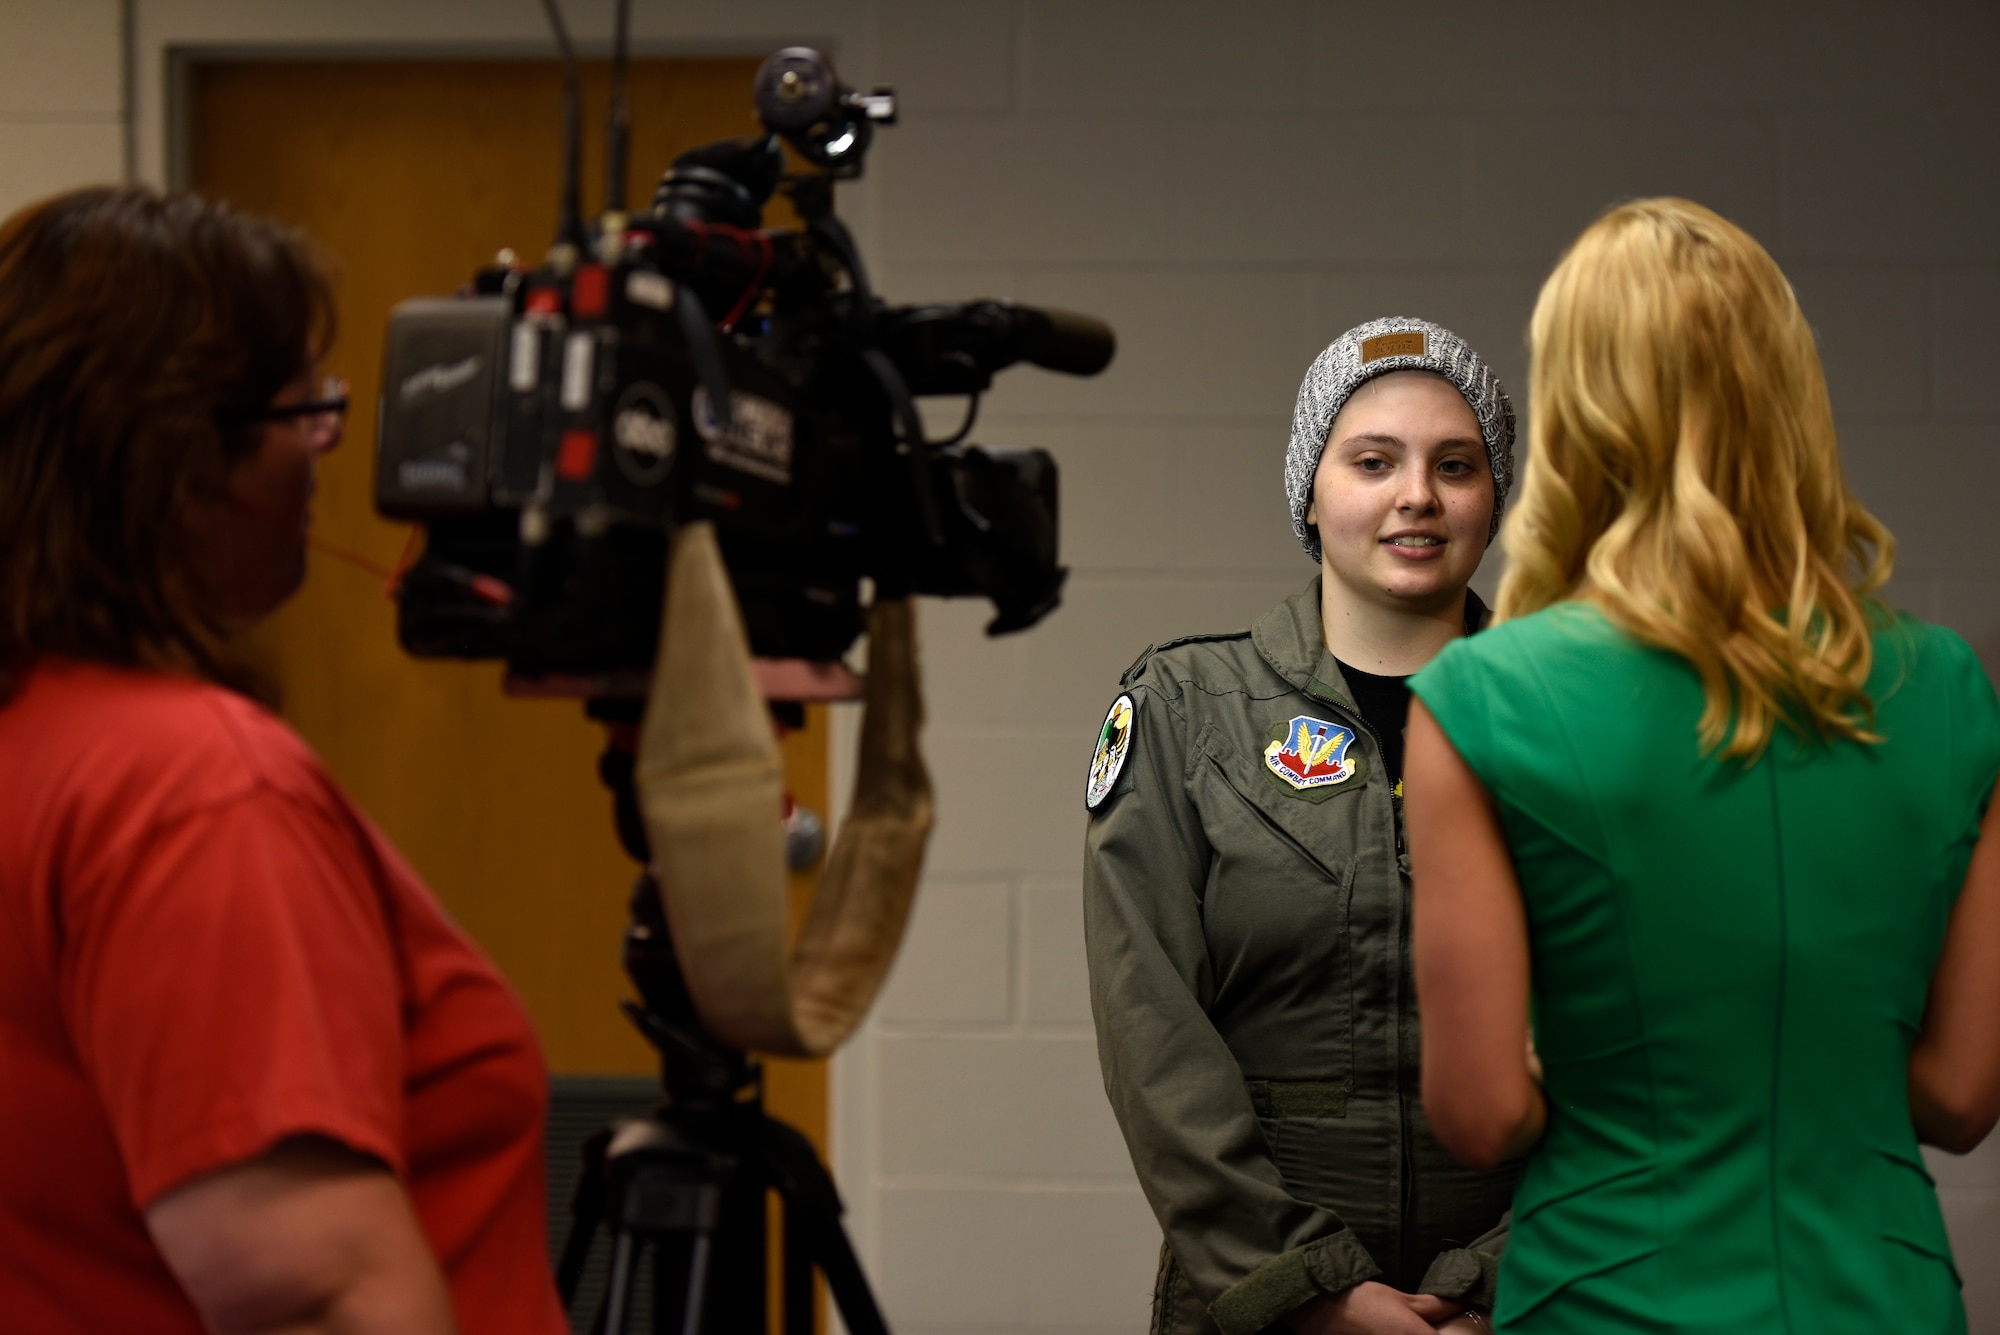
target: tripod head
689 1183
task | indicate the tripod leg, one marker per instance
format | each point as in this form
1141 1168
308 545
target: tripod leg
697 1285
851 1293
690 1286
586 1210
618 1294
798 1269
810 1198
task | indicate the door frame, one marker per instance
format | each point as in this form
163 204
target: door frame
182 62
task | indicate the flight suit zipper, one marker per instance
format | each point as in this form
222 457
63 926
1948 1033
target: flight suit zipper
1405 1006
1405 1161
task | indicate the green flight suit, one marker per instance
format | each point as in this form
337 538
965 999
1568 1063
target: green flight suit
1250 979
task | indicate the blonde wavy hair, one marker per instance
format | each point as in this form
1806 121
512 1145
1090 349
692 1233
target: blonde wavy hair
1683 475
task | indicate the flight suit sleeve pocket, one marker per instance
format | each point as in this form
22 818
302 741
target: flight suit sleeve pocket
1304 1123
1299 1098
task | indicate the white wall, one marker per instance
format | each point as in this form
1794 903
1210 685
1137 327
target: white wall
62 97
1232 185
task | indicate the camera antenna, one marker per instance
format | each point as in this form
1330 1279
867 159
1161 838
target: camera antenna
621 114
569 228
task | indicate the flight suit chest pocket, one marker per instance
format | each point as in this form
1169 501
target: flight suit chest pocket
1275 913
1240 803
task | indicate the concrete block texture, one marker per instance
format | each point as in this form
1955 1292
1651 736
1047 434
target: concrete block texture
1105 623
970 678
956 964
1972 1217
1873 327
1463 55
1008 802
42 157
1117 480
1967 42
1093 1255
1087 1258
951 58
1165 57
1968 606
1538 178
1920 184
1020 1107
1321 189
1794 53
1090 192
1057 988
1932 482
1977 1171
61 61
1191 343
1965 339
1202 498
960 1258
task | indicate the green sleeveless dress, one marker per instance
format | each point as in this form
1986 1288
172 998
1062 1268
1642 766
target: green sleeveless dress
1730 967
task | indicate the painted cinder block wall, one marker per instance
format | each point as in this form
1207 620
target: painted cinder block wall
62 97
1232 185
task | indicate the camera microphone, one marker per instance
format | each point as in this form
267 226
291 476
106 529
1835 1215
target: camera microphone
1065 341
958 348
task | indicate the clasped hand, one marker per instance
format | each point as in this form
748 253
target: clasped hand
1370 1308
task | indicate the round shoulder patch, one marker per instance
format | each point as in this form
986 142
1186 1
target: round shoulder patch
1114 740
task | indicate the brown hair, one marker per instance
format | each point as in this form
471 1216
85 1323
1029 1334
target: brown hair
135 328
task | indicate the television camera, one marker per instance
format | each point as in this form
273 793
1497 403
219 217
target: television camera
683 371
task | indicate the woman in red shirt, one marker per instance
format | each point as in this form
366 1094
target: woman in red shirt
255 1078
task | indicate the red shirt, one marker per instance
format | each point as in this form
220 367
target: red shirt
205 949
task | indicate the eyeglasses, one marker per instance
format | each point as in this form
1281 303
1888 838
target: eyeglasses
325 417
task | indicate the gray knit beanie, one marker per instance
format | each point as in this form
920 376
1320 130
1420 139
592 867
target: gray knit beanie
1377 348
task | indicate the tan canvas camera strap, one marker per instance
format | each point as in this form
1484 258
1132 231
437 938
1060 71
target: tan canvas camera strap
710 783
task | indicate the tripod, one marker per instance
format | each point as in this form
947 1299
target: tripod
685 1188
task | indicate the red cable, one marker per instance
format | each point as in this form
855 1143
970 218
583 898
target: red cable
358 561
394 583
746 240
492 590
743 303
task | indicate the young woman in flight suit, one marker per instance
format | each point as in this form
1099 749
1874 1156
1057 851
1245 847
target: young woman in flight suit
1246 888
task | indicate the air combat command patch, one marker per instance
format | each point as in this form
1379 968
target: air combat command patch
1114 740
1310 753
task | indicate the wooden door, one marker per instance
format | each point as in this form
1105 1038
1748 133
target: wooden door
411 174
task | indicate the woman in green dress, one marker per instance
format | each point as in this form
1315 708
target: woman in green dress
1720 813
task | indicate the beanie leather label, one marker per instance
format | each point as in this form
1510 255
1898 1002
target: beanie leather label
1406 344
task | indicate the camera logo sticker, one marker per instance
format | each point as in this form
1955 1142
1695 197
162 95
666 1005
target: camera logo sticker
643 435
1311 754
447 468
759 439
524 362
1114 743
649 289
579 355
439 379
